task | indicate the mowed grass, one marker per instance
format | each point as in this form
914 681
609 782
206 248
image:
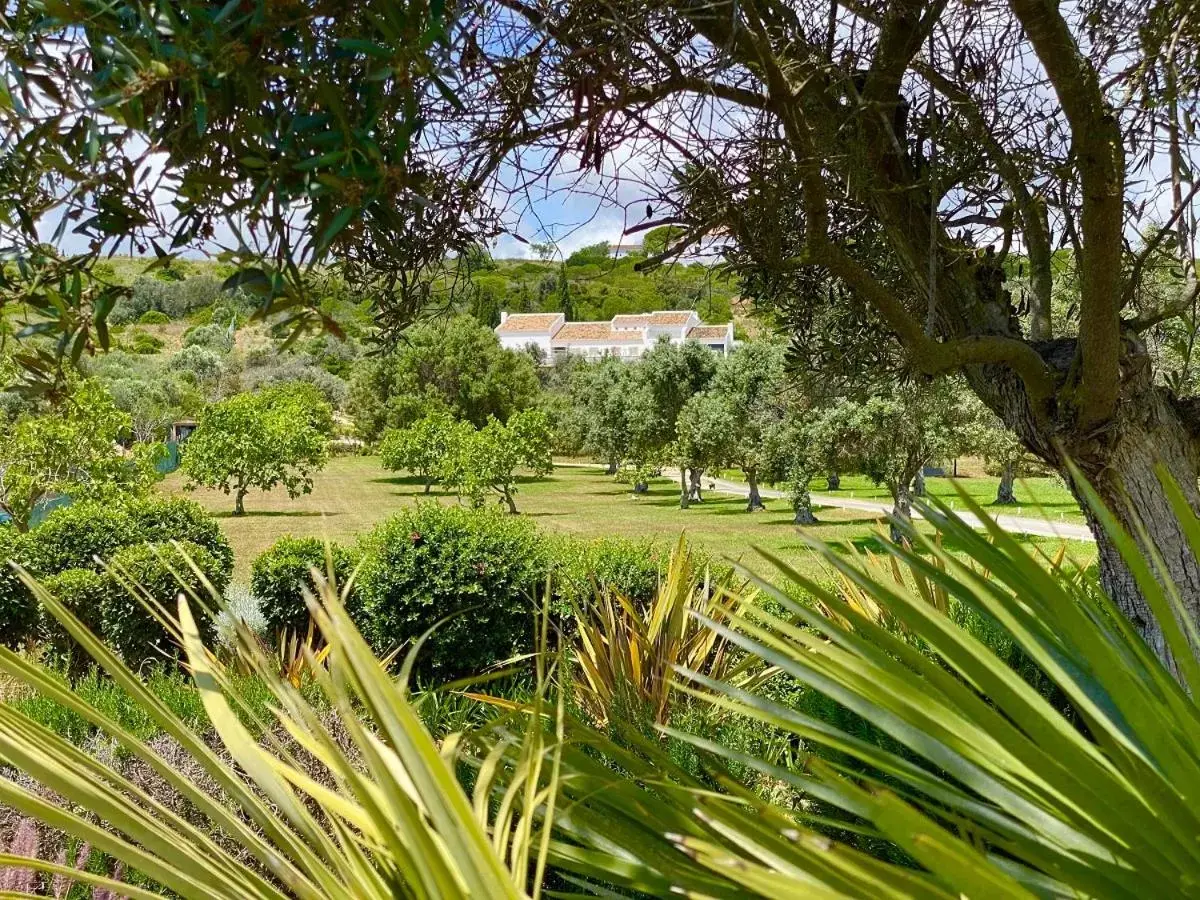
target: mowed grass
1038 498
354 493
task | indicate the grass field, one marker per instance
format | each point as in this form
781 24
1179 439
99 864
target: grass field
1044 498
353 493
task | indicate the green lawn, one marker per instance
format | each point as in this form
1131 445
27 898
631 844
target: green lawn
353 493
1040 498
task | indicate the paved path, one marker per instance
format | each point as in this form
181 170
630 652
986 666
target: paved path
1011 524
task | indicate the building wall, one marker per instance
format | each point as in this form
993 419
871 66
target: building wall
521 341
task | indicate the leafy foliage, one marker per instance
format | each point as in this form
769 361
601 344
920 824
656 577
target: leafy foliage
456 365
143 575
281 575
71 450
477 463
420 448
273 437
472 573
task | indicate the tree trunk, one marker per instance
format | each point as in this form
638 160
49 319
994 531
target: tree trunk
695 475
428 484
1130 487
507 496
1149 428
833 481
683 488
919 483
239 506
802 506
754 499
612 467
1005 494
901 510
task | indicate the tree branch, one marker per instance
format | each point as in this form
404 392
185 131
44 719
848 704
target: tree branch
1034 223
1097 145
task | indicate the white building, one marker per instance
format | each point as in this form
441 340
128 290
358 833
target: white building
626 336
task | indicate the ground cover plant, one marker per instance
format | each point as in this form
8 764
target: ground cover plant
555 801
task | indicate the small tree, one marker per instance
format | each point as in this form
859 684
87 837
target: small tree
703 434
1000 448
71 450
600 394
486 460
896 435
273 437
751 383
421 448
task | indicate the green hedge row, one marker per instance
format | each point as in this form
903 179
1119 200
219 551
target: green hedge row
88 554
468 577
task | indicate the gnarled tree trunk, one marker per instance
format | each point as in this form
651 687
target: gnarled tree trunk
695 475
918 483
1005 494
833 481
1119 460
901 509
684 490
754 498
1130 486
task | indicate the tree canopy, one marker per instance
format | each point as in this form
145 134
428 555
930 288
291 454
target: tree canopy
276 436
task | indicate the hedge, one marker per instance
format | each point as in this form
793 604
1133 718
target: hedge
470 572
281 574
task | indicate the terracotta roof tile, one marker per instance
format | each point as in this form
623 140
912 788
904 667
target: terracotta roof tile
626 320
670 317
593 331
708 332
529 322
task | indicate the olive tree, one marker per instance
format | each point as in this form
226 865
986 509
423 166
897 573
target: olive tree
751 383
895 435
261 440
703 436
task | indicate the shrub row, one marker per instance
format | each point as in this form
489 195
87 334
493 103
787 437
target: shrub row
470 575
69 551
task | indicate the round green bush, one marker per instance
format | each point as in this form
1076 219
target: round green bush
154 317
18 608
145 344
629 567
471 572
73 536
177 519
280 575
162 571
82 591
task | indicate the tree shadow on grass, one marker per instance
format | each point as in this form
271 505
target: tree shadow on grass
275 514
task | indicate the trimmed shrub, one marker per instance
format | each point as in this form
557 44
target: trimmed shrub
177 519
145 344
154 317
282 573
83 592
18 609
471 572
72 536
631 568
161 570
